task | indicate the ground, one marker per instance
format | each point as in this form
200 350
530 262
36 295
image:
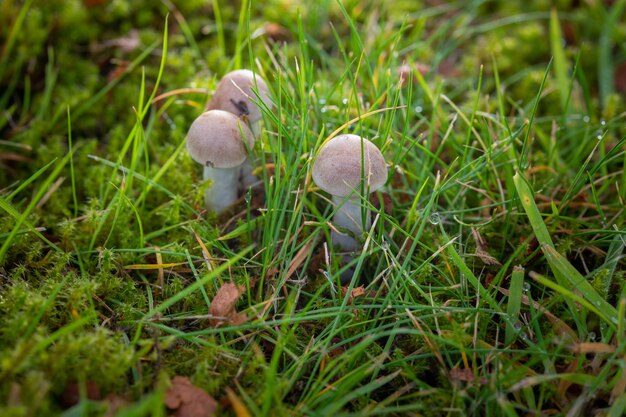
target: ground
492 281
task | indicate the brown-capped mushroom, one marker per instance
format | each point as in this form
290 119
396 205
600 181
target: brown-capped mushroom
238 92
342 165
220 141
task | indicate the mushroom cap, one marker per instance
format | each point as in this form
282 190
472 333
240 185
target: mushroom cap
235 94
337 169
215 139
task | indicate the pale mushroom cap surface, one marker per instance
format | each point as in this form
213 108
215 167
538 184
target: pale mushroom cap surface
215 139
235 94
337 169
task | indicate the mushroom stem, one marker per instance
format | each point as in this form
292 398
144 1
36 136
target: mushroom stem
223 191
349 216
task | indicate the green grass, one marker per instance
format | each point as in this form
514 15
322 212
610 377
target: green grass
494 277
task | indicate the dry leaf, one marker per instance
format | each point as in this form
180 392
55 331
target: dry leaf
223 305
466 375
187 400
356 292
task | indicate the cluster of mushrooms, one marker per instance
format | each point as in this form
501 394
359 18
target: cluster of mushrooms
221 138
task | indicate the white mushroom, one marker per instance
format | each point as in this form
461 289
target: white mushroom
339 169
219 141
235 94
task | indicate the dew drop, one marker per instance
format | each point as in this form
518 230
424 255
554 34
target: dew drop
344 101
435 218
586 119
385 245
323 109
526 287
603 122
592 336
517 326
418 109
322 101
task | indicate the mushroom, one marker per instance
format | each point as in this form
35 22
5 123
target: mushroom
339 168
219 141
235 93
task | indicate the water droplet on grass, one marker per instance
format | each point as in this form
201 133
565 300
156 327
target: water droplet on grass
322 101
418 109
435 218
526 287
603 122
586 119
344 101
592 336
323 109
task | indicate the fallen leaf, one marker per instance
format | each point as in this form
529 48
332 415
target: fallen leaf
223 305
466 375
187 400
356 292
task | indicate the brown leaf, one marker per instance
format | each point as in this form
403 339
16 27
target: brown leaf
187 400
356 292
466 375
223 305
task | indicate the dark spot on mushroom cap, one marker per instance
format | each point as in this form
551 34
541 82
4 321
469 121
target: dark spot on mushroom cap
235 93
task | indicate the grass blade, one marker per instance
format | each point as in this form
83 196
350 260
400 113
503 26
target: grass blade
566 275
560 63
515 302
